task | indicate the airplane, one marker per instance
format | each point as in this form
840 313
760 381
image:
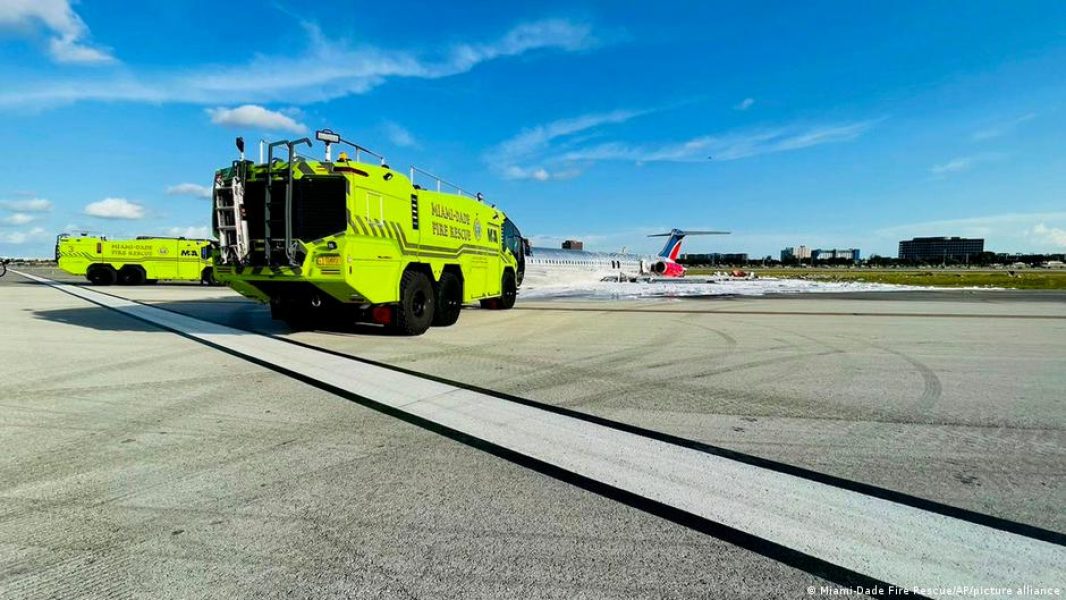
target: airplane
550 266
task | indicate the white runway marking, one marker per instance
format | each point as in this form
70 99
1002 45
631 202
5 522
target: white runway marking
890 542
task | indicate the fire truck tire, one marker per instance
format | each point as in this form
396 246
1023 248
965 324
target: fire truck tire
509 291
508 294
130 275
414 315
449 300
207 277
101 274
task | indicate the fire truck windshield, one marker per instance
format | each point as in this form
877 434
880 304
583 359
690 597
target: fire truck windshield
512 238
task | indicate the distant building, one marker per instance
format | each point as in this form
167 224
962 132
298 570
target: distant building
795 253
714 258
573 245
738 258
940 248
852 254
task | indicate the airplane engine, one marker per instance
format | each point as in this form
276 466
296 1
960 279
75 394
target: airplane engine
668 269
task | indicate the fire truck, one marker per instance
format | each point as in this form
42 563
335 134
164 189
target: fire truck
137 261
352 239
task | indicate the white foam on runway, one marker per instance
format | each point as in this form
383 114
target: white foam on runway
610 290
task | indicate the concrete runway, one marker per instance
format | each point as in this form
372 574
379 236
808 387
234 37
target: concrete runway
954 397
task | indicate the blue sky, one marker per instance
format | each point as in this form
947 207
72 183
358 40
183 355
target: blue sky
828 123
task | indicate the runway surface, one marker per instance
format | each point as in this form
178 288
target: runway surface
863 406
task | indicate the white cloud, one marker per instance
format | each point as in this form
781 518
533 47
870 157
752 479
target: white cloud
255 116
400 136
1055 236
531 154
16 219
962 163
1000 129
540 173
66 49
30 205
731 146
193 231
549 33
115 208
515 172
189 189
955 165
744 104
531 144
21 237
535 139
67 44
328 69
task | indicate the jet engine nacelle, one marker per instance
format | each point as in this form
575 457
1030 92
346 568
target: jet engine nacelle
668 269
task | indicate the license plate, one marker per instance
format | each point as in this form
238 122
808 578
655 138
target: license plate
331 260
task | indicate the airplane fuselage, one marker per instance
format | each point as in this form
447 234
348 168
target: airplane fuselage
548 266
554 266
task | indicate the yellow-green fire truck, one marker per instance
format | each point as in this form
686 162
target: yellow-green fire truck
349 240
134 262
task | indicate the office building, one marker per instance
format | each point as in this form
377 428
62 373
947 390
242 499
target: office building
940 248
852 254
795 253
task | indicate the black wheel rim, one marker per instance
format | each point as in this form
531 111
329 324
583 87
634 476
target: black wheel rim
418 304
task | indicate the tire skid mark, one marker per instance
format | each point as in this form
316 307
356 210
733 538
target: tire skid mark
932 387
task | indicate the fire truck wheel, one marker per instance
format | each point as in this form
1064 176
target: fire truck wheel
415 312
207 277
510 291
101 274
129 275
449 300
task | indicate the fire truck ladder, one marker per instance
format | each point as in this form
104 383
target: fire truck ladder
289 246
230 216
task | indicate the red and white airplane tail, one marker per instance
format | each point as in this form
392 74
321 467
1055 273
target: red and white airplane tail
667 264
